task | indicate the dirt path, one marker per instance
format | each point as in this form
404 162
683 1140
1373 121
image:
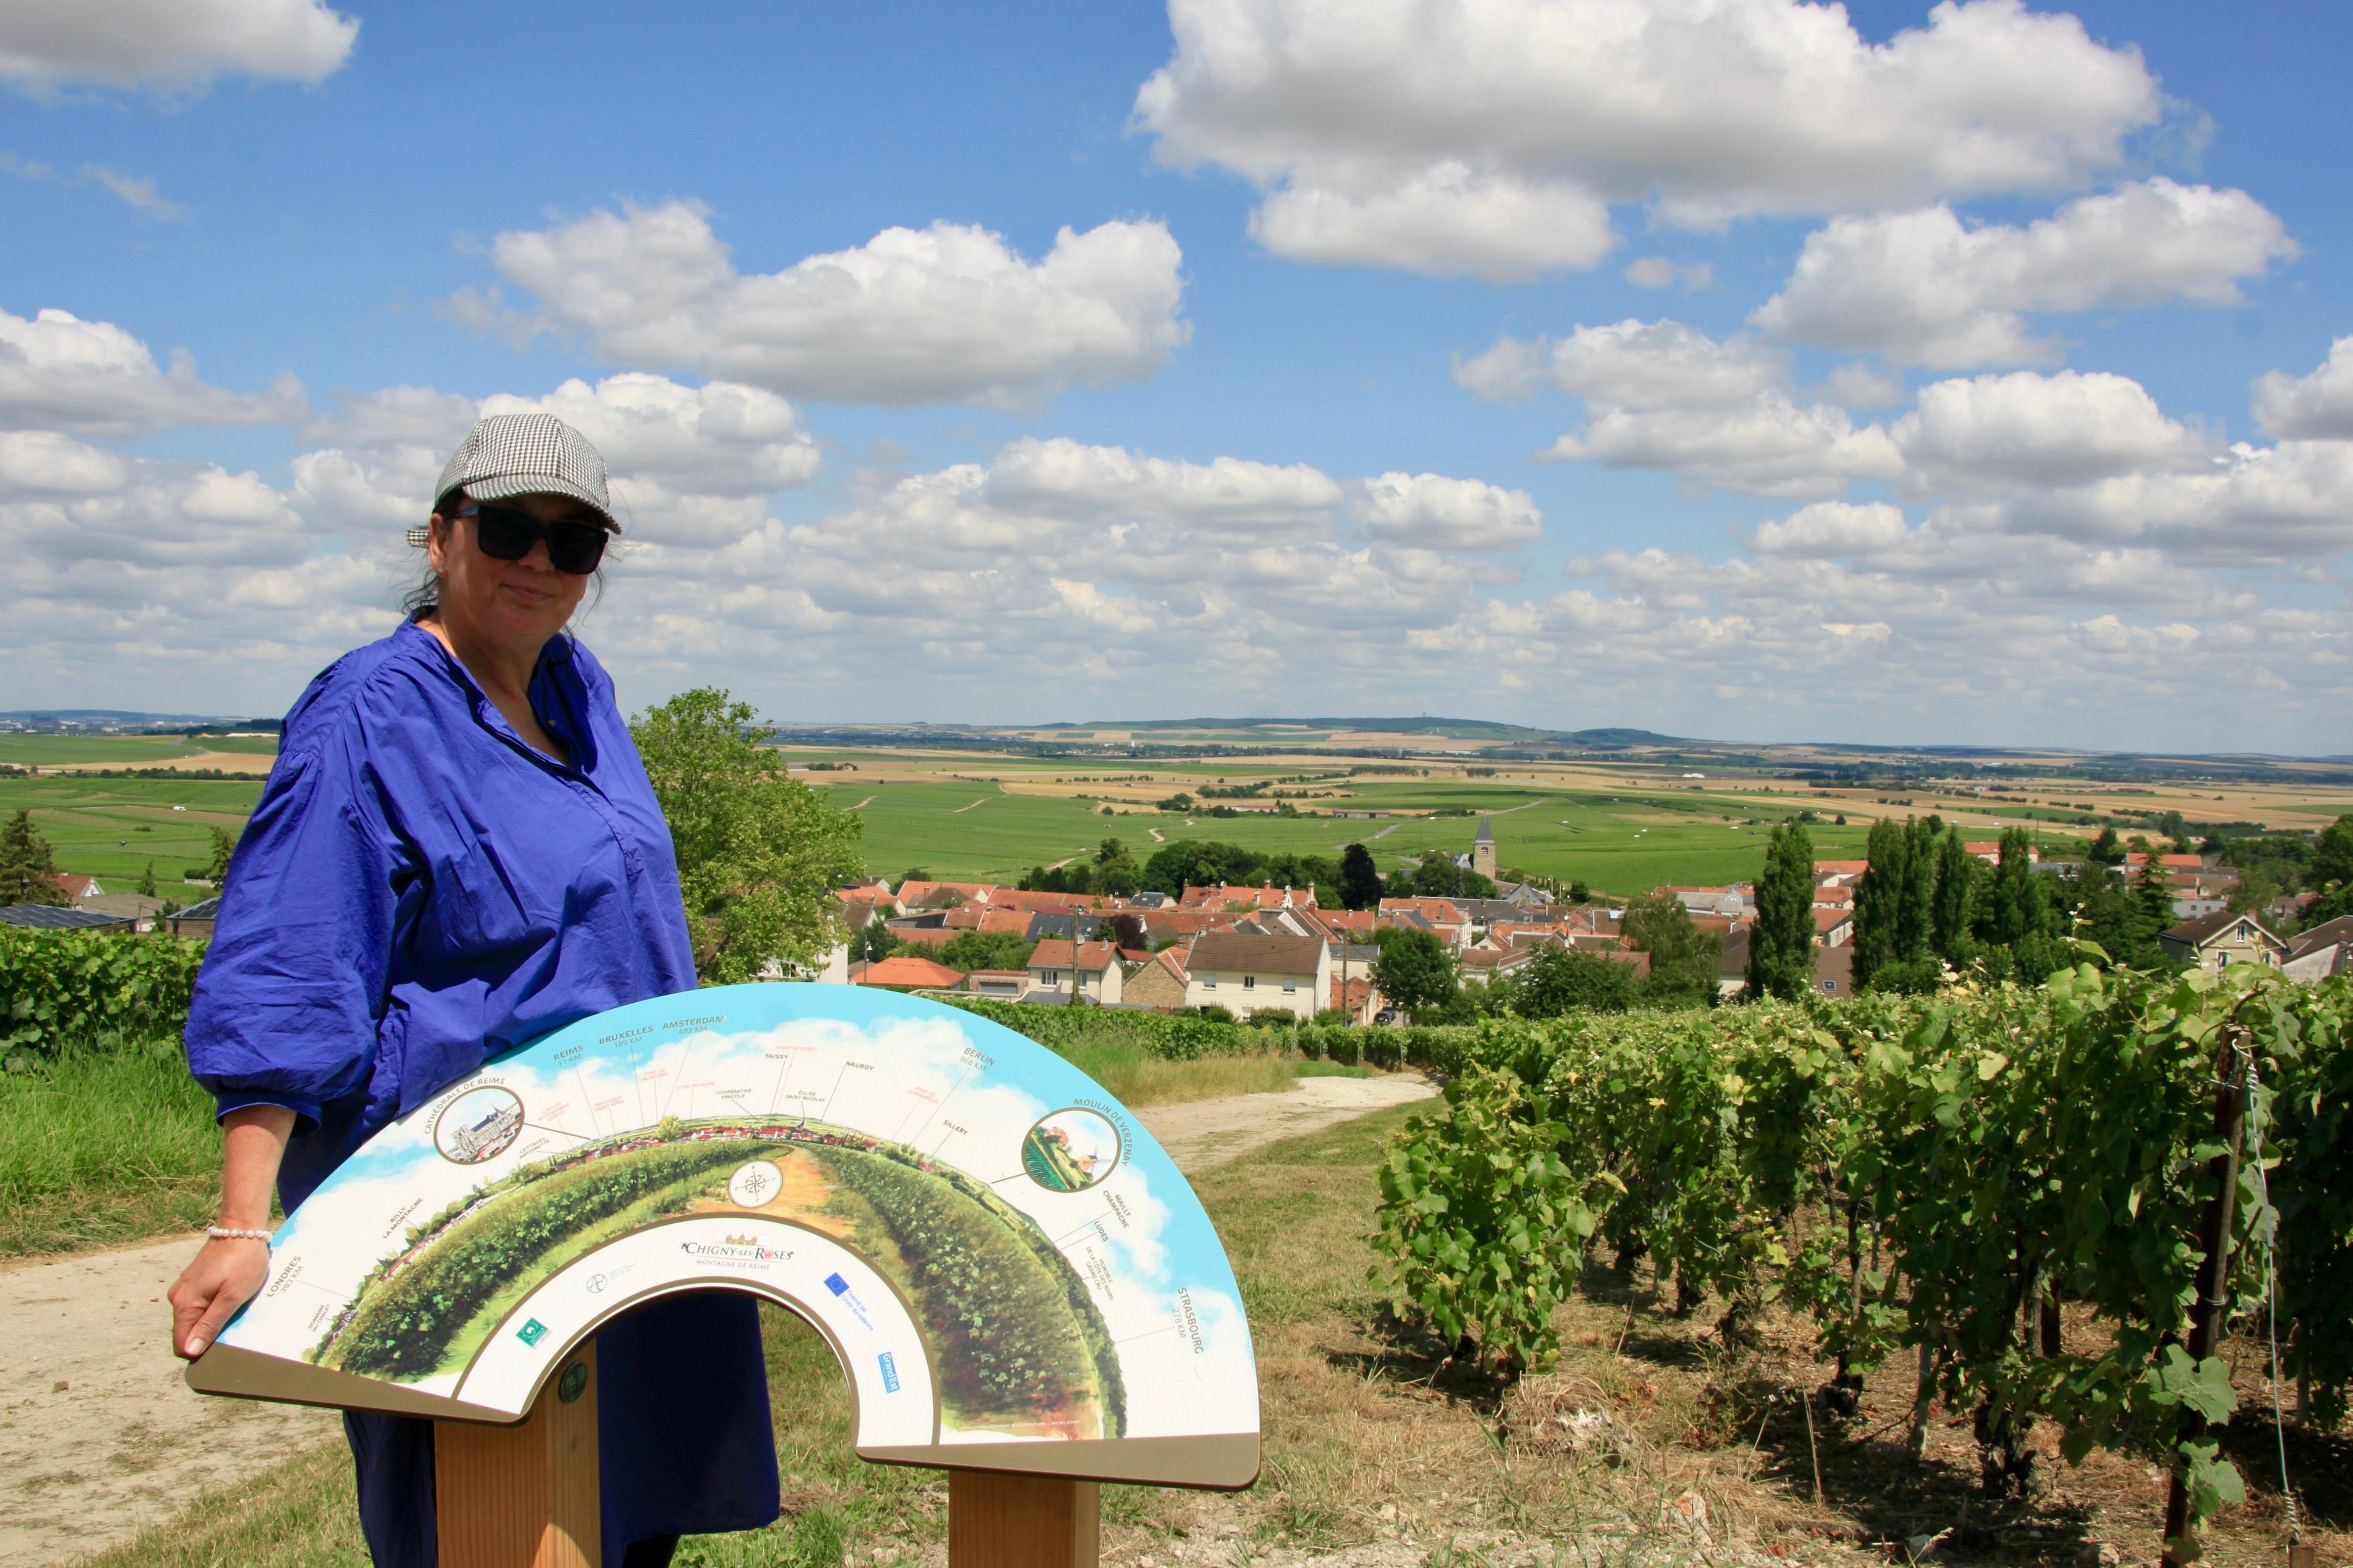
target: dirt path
97 1434
1205 1132
98 1437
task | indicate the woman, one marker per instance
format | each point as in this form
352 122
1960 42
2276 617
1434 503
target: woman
458 851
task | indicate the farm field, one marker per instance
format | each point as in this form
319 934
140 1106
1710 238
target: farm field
112 828
1619 825
962 831
230 753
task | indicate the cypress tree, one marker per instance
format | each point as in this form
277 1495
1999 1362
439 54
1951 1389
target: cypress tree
1916 914
1878 900
1956 871
2152 912
28 871
1782 945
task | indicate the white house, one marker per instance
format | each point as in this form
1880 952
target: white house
1247 974
1100 976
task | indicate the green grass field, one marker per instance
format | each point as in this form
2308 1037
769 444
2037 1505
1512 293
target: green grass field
111 828
970 830
1620 845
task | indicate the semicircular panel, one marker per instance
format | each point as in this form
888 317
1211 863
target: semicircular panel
1013 1274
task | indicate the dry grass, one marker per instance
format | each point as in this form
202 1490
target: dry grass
1137 1080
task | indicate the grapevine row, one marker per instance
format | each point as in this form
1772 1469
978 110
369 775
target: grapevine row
1931 1175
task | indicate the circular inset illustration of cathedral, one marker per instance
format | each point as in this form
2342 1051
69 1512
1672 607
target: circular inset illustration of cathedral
1070 1151
755 1183
478 1124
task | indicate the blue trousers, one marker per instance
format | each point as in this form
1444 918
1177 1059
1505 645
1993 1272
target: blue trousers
684 1443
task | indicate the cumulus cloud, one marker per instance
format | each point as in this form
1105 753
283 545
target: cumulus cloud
1765 446
2318 407
1434 512
1921 288
1628 364
2027 429
1442 222
1833 528
1484 137
60 372
947 313
173 44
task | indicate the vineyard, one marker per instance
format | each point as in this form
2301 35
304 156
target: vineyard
2023 1189
62 990
1030 1346
408 1315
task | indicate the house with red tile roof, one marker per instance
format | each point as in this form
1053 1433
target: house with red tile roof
904 971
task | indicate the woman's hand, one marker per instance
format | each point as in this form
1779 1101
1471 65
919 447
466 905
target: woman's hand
225 1276
231 1271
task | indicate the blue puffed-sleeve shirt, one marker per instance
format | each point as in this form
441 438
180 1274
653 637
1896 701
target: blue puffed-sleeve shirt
419 890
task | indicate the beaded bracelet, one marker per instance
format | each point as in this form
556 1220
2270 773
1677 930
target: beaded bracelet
221 1234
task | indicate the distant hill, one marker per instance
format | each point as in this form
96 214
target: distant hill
1449 729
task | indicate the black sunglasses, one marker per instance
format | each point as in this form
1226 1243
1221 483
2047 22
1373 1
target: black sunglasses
507 534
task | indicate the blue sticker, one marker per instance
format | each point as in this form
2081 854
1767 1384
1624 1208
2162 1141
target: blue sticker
890 1367
837 1284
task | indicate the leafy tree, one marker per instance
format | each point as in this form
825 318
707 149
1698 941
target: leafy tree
1781 944
914 874
1562 980
146 887
1120 930
1360 880
872 943
759 853
2105 850
1685 959
2332 871
224 850
1438 877
1200 863
28 869
974 950
1415 971
1579 893
1116 871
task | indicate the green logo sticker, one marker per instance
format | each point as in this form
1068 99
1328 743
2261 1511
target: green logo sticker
531 1332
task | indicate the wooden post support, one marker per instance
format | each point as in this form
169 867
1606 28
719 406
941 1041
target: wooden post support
1001 1520
2206 1322
524 1496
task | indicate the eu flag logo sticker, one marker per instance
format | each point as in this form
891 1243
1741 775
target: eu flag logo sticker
889 1374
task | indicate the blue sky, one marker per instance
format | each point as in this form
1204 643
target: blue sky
1724 367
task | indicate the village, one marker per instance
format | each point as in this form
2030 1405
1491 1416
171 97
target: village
1266 950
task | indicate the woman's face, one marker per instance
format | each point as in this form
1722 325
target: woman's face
518 604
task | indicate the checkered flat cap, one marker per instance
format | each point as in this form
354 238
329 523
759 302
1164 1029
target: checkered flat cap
528 453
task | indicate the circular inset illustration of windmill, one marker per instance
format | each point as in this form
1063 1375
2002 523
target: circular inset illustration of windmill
1070 1150
478 1124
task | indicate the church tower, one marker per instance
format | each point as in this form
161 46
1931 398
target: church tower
1482 850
